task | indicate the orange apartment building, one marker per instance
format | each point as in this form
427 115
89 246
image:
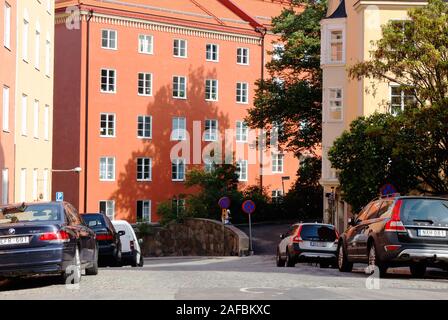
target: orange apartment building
8 13
131 75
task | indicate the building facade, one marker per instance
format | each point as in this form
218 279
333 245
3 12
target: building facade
347 34
145 90
26 77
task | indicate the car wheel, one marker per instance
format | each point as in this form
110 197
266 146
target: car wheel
343 264
142 261
374 261
72 274
289 260
280 262
135 261
418 270
118 258
93 271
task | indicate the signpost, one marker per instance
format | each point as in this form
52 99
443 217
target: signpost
224 203
59 196
249 208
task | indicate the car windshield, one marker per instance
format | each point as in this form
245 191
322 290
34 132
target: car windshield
94 220
318 233
430 210
30 213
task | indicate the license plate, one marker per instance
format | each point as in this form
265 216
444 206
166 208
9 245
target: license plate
14 241
432 233
318 244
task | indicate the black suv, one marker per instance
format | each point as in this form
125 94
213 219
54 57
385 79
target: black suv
397 231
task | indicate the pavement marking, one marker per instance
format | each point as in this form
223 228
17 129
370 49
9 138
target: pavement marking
192 263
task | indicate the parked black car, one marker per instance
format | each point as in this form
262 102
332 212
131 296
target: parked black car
397 231
308 242
108 238
46 238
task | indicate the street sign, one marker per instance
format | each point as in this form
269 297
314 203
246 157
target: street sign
388 189
248 206
224 203
59 196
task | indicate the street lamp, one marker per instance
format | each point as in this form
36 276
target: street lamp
77 169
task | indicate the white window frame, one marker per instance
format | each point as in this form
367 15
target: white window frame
330 100
37 38
278 162
177 87
47 123
47 57
277 195
212 49
240 56
24 111
110 208
25 35
328 44
5 186
242 132
144 118
23 185
211 90
402 98
142 39
177 44
7 26
144 166
6 107
176 163
108 39
35 182
45 187
109 161
145 86
242 164
36 113
242 93
178 133
107 128
209 165
108 82
211 130
146 204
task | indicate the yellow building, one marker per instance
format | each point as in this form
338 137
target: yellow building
347 32
34 100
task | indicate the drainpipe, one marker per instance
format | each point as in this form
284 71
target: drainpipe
262 31
86 140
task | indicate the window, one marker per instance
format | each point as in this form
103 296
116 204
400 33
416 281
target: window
107 125
178 204
47 58
400 99
180 48
335 104
241 92
107 169
6 108
49 6
108 80
144 210
23 185
144 127
35 176
36 119
145 84
144 171
209 165
5 186
212 52
178 170
145 44
24 114
107 207
179 129
179 87
211 90
278 51
211 130
37 50
26 27
241 166
45 191
242 56
7 26
109 39
336 46
47 122
277 196
241 131
277 162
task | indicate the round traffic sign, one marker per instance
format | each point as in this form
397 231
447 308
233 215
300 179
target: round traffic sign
388 189
224 203
248 206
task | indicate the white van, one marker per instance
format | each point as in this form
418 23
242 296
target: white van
130 245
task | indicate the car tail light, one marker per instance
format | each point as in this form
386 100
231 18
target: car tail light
104 237
297 238
395 224
60 236
392 247
132 245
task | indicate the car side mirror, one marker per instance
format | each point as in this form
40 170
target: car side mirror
121 233
140 241
282 236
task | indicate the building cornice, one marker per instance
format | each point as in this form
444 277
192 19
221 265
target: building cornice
164 24
405 4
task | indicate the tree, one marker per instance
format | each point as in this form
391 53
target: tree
292 95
